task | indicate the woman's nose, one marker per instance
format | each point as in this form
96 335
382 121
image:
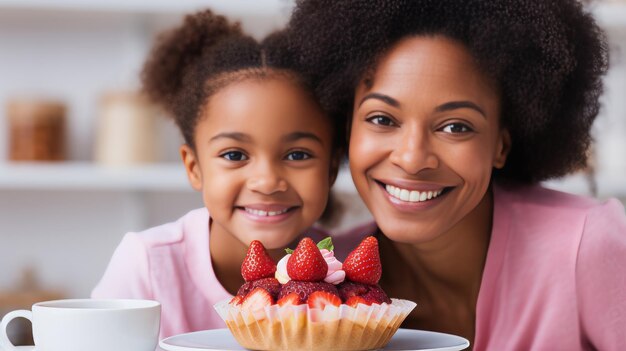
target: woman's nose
267 180
414 153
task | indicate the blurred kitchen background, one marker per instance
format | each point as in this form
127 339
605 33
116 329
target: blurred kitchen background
84 160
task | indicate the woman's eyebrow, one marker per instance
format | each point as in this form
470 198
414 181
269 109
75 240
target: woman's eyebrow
382 97
453 105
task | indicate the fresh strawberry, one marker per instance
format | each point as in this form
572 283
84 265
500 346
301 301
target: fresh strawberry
257 299
304 289
363 264
257 264
320 299
270 284
355 300
289 299
307 263
236 300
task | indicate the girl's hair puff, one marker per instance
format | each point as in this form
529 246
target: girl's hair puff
192 62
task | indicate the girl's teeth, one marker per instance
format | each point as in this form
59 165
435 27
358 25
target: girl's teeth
411 195
265 213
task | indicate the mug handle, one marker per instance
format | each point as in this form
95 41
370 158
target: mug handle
5 343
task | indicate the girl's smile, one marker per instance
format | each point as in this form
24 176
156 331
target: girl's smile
270 213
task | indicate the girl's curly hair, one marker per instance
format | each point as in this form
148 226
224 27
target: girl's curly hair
190 63
548 57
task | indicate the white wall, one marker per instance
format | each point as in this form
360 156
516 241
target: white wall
76 55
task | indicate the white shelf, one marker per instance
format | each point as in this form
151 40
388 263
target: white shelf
608 185
226 7
609 14
88 176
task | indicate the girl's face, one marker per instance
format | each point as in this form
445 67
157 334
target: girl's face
263 161
424 138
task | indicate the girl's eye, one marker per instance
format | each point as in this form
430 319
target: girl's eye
456 128
234 156
381 120
298 156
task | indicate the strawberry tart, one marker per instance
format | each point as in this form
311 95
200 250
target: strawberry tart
311 301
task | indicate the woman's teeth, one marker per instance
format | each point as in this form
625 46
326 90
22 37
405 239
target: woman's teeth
265 213
412 195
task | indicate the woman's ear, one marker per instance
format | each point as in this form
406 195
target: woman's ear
502 149
194 174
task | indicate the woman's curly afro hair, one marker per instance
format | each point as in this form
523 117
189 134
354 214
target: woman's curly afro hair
548 57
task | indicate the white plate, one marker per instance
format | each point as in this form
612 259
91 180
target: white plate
404 339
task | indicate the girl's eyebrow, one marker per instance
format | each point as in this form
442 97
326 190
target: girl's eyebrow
232 135
291 137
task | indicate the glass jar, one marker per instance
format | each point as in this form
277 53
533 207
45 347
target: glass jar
36 130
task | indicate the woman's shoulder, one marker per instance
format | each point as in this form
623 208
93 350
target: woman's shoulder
536 198
536 210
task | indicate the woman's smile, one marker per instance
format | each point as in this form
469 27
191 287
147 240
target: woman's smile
410 198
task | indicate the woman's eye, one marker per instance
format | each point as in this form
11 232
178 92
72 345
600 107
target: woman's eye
298 156
234 156
456 128
381 120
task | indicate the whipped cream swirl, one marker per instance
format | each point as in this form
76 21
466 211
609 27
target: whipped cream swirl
335 274
281 270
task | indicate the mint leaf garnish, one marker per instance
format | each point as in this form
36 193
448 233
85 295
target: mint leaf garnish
326 243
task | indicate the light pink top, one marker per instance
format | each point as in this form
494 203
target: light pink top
171 264
555 274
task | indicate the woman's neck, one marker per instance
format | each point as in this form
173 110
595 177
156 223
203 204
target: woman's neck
454 261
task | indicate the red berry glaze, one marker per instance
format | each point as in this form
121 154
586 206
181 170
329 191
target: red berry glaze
370 293
270 284
304 289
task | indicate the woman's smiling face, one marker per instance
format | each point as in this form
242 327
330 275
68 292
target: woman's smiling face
425 137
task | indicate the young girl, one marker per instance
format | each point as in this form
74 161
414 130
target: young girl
459 108
259 149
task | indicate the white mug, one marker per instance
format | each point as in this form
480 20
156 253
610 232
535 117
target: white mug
89 324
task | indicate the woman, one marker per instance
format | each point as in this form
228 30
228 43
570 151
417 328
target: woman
457 110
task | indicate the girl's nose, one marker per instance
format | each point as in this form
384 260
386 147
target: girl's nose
265 179
413 153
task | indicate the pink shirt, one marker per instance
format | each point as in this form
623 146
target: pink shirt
171 264
555 274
